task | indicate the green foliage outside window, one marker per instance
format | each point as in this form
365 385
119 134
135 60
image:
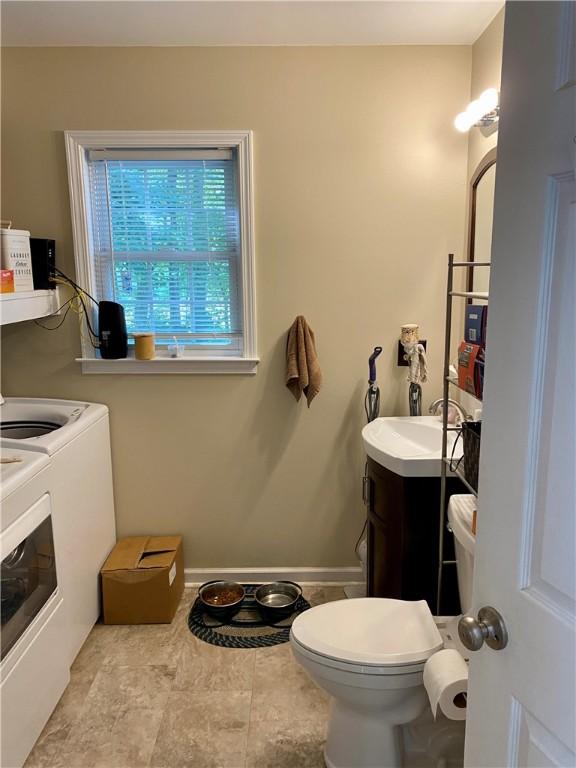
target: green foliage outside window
179 210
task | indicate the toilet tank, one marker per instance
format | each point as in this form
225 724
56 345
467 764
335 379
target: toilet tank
460 513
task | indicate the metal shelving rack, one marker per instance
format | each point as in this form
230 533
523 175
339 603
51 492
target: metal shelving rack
446 382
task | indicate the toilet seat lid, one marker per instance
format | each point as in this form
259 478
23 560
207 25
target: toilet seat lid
370 630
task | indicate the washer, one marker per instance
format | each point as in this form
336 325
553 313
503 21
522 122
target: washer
76 438
34 665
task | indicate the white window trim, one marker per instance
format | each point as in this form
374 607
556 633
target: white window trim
77 142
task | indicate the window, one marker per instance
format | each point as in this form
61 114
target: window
163 225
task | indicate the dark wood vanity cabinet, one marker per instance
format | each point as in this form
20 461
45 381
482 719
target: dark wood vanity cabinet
403 532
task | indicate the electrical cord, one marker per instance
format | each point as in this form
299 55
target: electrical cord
75 285
86 316
77 303
415 399
372 403
453 467
78 309
79 294
365 526
68 305
361 537
372 411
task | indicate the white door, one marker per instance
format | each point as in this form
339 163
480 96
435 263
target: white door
521 699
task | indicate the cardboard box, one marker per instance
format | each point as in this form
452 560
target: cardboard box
143 580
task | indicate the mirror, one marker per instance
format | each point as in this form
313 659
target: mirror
481 215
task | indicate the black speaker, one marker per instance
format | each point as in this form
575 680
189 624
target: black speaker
43 253
112 330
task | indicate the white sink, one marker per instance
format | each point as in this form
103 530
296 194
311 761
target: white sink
410 446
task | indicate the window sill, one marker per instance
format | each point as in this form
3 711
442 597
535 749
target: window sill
171 365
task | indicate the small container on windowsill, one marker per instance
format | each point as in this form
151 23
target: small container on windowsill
175 349
144 346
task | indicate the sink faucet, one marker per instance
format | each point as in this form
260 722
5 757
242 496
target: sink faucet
461 413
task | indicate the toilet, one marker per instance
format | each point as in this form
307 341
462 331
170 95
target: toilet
369 654
460 515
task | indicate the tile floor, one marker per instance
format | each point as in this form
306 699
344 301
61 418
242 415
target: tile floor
157 697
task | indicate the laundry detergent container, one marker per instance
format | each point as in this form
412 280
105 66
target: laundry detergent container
460 514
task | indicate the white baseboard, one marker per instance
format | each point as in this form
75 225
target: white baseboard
321 576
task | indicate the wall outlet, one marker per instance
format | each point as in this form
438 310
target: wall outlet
401 360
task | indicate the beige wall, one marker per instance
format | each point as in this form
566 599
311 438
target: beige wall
360 185
486 73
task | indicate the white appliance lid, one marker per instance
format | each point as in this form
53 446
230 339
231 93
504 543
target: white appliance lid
74 417
20 466
370 630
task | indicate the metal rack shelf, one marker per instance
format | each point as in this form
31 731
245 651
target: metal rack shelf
471 294
447 381
458 472
471 264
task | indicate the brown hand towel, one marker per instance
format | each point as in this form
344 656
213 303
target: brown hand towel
303 372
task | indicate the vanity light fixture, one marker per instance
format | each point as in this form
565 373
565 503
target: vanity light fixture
483 112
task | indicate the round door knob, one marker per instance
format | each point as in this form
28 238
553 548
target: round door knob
489 628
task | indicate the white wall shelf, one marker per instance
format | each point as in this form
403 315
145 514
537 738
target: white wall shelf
457 471
28 305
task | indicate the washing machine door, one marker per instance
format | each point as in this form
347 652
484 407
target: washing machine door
27 572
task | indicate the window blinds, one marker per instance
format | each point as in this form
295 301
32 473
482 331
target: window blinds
165 238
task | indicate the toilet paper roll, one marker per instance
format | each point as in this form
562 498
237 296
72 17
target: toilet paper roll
446 682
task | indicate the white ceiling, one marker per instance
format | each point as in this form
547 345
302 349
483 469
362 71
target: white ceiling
244 22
